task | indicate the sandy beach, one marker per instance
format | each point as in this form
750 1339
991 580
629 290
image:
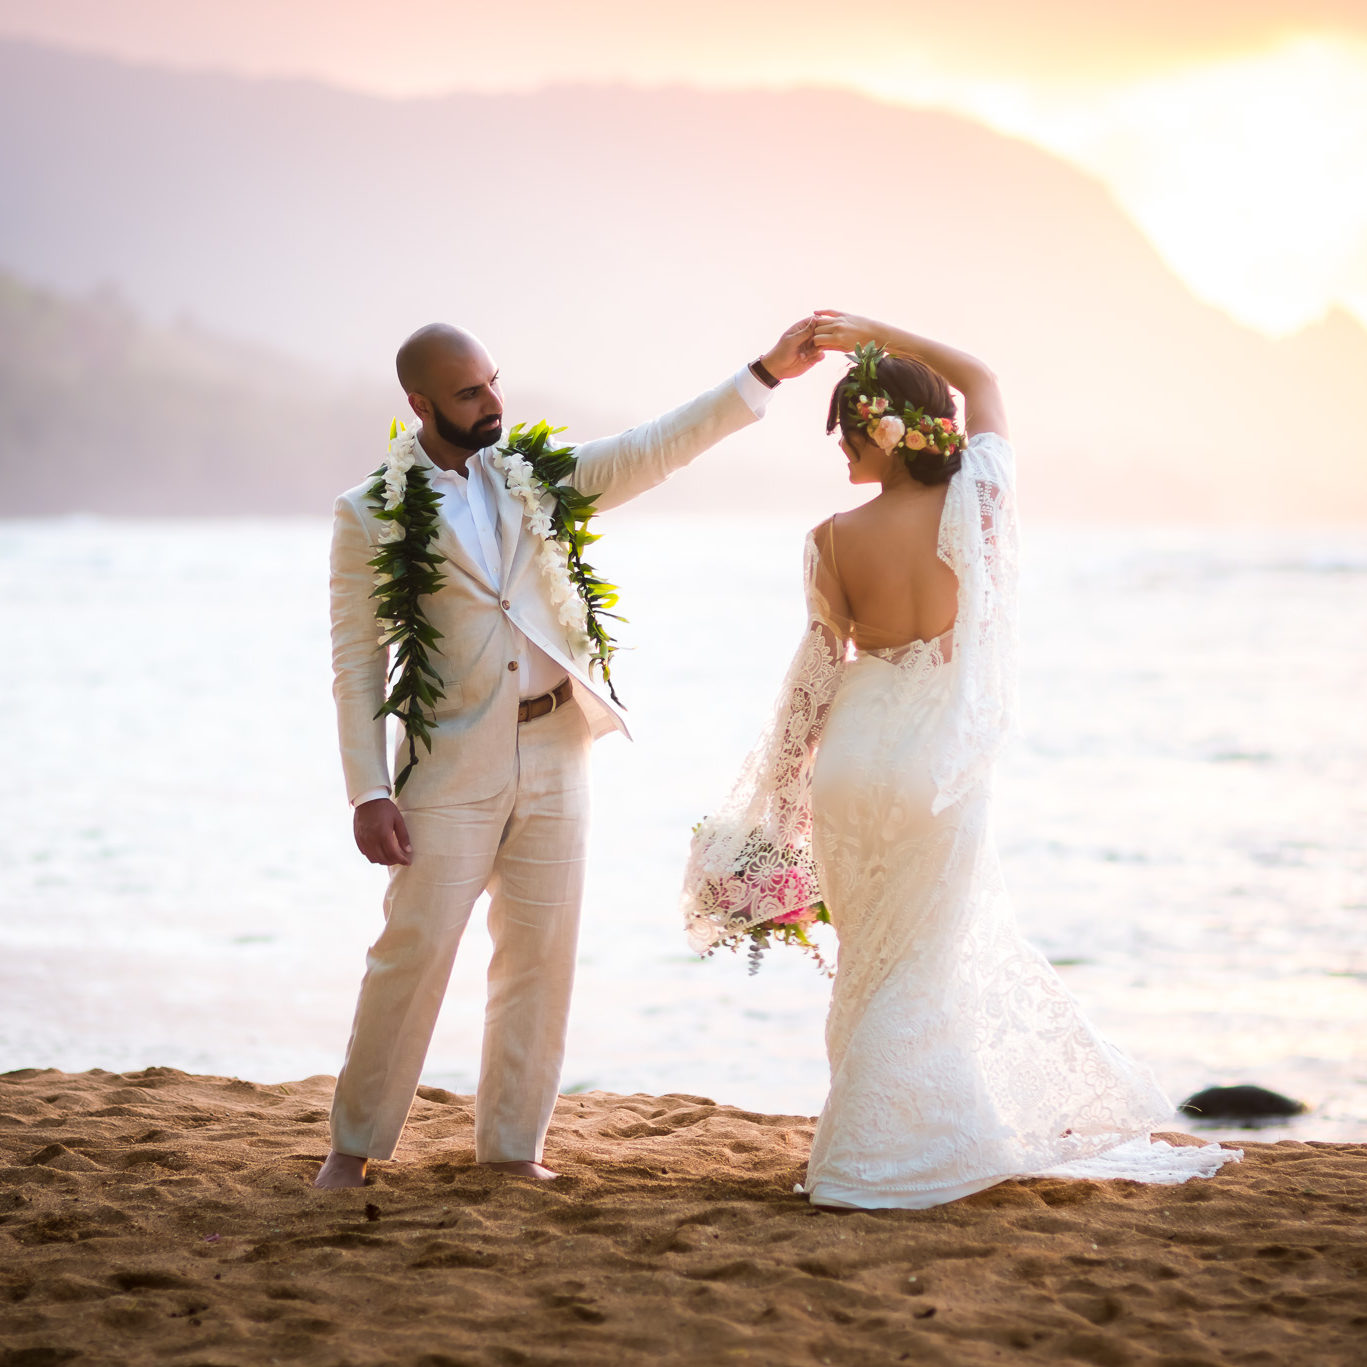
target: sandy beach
163 1217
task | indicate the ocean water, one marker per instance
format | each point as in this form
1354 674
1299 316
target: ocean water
1183 820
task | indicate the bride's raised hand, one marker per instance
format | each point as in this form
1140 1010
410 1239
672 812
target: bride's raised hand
836 331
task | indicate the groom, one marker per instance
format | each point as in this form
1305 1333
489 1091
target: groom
501 802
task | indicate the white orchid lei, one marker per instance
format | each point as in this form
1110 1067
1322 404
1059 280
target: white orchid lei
521 480
537 473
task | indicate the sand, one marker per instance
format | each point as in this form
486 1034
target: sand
159 1217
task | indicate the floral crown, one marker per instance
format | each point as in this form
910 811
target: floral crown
890 428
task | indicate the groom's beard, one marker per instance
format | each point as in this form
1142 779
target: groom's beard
484 433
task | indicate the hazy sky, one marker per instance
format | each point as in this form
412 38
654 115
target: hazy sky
432 45
1233 131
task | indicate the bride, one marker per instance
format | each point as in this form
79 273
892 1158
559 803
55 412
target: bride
958 1059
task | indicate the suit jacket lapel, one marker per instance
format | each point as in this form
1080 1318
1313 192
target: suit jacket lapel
450 546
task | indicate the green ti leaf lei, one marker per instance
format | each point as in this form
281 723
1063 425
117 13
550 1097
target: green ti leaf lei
406 571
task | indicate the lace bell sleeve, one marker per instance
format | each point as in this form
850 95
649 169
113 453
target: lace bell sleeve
751 860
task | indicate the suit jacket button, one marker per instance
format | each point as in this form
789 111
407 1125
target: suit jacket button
505 605
512 664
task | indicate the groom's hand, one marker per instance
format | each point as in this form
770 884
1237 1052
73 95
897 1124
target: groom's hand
795 353
380 833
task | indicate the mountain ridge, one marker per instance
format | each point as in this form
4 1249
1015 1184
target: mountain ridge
622 249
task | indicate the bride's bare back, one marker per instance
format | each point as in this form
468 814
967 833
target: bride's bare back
881 572
878 566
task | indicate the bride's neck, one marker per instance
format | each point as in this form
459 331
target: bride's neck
897 479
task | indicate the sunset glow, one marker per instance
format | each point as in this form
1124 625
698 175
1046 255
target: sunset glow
1233 134
1246 174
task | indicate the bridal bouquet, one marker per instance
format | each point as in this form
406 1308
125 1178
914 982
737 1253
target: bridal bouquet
764 877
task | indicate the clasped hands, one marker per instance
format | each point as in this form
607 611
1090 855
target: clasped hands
808 340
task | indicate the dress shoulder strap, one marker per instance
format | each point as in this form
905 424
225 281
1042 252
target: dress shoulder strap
824 536
825 593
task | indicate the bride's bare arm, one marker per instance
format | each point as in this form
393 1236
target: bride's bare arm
984 408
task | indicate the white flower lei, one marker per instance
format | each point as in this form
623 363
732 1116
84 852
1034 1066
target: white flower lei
552 556
399 460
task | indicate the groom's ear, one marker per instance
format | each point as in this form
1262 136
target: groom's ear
420 407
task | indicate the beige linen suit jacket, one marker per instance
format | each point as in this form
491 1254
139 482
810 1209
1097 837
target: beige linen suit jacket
474 741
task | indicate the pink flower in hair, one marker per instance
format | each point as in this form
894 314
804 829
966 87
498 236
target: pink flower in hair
916 441
889 431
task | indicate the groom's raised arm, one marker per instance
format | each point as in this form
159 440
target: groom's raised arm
617 469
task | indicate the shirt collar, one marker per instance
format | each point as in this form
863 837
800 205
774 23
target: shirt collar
451 479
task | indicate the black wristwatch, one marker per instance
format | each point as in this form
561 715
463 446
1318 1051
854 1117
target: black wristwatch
763 374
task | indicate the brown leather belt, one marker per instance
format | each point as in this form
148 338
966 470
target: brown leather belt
547 702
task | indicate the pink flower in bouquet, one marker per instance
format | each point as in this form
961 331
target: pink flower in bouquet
801 917
791 885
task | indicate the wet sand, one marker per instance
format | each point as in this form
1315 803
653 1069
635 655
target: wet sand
160 1217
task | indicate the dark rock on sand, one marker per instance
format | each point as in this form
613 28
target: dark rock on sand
1245 1102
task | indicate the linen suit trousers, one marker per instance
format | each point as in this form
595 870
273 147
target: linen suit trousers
526 847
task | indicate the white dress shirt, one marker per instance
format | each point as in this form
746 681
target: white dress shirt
466 512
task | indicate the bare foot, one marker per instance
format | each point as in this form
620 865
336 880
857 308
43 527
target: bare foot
537 1170
340 1170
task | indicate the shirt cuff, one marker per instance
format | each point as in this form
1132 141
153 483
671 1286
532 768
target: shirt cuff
755 392
369 795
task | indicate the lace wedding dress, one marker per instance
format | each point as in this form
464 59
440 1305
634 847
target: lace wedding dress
958 1059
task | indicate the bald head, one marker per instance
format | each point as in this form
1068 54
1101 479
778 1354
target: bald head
431 349
452 385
